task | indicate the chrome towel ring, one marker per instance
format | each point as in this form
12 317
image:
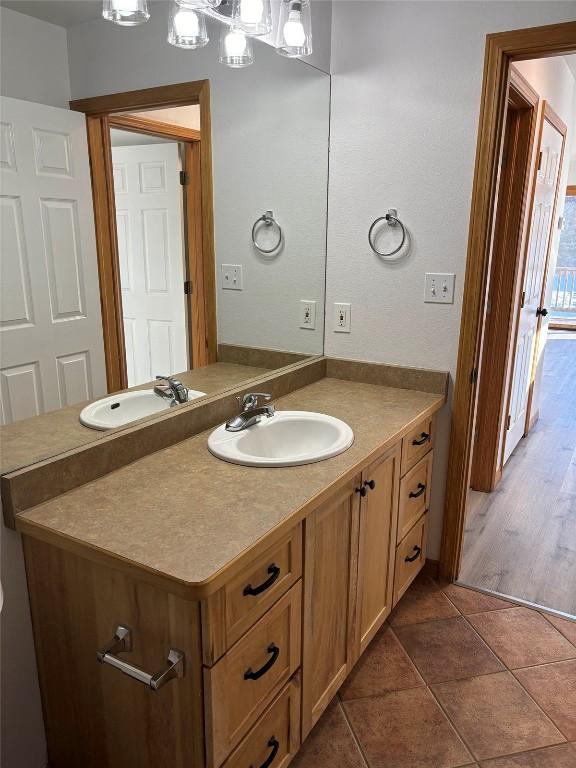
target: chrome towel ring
392 220
268 220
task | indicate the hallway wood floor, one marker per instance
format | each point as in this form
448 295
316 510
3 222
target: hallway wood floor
520 540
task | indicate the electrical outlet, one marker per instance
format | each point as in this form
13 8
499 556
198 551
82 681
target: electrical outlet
232 277
342 318
439 287
307 314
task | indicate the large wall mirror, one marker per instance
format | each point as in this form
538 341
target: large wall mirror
178 236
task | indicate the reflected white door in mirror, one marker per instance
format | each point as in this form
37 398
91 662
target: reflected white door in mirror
50 323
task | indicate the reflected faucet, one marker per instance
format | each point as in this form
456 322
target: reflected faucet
250 411
172 390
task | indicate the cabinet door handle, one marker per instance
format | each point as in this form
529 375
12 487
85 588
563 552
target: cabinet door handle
370 484
274 745
417 551
274 572
424 437
122 643
361 490
275 652
419 492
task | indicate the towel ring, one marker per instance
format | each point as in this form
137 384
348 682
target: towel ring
268 220
392 220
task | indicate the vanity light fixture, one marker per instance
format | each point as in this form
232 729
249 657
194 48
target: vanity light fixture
253 16
198 5
126 13
186 27
235 47
294 37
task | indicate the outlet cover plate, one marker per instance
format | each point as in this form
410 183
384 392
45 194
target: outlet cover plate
439 288
308 314
342 317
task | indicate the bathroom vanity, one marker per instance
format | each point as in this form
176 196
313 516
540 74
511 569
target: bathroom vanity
189 612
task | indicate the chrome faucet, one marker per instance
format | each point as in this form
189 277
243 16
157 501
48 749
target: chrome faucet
172 390
250 411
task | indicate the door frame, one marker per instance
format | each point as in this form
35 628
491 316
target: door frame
102 113
501 50
510 237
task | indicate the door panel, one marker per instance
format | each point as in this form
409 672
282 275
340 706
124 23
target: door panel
150 246
532 328
51 346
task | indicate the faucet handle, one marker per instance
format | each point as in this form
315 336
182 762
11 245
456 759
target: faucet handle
250 400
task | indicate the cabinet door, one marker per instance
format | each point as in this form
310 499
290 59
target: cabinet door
331 541
377 545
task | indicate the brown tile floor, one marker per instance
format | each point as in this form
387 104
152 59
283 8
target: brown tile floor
455 678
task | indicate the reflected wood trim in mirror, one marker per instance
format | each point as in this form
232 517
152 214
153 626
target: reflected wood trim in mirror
101 113
151 127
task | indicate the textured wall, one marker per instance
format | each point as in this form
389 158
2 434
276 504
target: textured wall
406 83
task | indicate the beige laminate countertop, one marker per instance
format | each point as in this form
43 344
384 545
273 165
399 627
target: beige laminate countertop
186 515
41 437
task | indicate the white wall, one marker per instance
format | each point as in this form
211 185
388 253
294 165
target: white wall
270 126
33 60
406 83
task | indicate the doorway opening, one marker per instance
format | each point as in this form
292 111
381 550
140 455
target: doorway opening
150 157
510 522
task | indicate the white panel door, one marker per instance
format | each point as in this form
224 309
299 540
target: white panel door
150 246
51 347
532 328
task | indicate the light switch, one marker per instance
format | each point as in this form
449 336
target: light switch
439 287
232 277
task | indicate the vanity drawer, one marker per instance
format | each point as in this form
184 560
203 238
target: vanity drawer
410 557
231 611
414 495
275 738
242 684
417 443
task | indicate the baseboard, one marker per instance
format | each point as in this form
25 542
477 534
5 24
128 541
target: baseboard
431 568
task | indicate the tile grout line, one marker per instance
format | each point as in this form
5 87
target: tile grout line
355 738
558 628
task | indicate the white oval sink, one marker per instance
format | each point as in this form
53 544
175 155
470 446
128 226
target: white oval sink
120 409
287 439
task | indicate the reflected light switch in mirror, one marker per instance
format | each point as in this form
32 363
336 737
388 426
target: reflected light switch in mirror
232 277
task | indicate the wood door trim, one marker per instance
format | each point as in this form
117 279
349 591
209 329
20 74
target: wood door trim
510 226
571 190
151 127
101 112
501 50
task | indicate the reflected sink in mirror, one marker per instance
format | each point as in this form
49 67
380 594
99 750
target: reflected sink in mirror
287 439
118 410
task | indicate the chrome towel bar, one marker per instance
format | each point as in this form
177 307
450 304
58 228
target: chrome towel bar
122 643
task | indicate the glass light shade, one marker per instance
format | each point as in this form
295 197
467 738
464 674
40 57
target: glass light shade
127 13
235 47
186 27
198 4
294 37
254 17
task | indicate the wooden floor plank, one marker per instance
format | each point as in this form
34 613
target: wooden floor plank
520 540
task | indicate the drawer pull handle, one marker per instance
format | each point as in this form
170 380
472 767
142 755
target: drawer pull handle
370 484
424 437
417 551
274 572
275 652
361 490
419 492
122 643
274 745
